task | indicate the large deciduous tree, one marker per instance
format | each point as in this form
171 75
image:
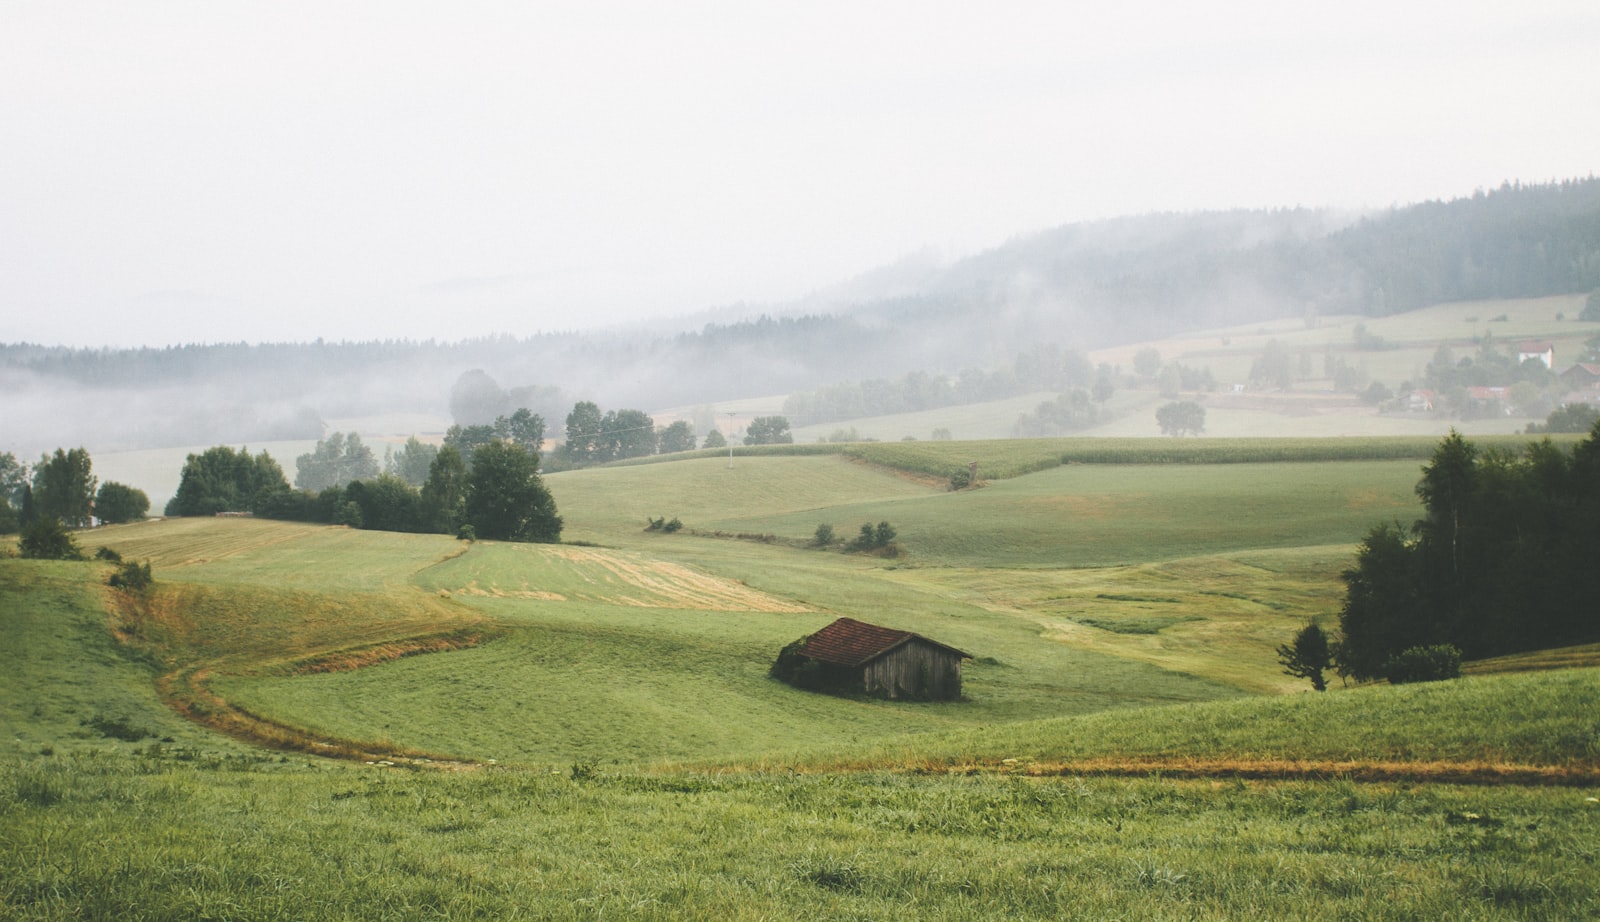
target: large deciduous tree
1308 656
1185 417
221 479
412 461
629 434
524 428
63 487
506 499
444 495
768 430
585 442
13 478
677 437
116 503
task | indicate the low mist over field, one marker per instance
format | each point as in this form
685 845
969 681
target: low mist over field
1043 316
259 223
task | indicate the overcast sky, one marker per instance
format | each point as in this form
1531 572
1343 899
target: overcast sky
204 171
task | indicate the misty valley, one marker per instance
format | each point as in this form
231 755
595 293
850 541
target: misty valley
1212 565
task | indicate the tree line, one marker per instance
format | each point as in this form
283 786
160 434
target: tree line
1499 563
499 494
1046 367
61 488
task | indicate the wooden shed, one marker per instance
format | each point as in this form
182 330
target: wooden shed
856 657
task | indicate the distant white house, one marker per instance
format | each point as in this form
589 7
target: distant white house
1420 400
1543 351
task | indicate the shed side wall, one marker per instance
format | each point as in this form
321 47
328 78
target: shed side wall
914 670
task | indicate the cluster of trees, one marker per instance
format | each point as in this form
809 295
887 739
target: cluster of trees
1572 417
221 479
1498 564
1491 366
597 438
61 488
1046 367
594 437
499 494
1073 410
337 460
877 539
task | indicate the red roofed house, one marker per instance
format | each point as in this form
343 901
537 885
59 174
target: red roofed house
1582 376
855 657
1543 351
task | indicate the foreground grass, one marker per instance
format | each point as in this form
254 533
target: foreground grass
147 817
153 835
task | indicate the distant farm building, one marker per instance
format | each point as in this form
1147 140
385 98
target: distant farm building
853 657
1582 376
1543 351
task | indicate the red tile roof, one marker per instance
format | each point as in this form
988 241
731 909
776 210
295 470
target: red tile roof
848 642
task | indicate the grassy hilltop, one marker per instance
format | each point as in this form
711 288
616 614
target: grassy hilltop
587 730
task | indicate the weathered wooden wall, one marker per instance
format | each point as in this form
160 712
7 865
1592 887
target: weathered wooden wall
914 670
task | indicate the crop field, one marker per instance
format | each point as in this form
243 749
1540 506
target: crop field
588 730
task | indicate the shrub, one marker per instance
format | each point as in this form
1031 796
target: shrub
106 553
1308 656
1424 664
878 540
48 539
132 575
803 672
824 535
466 533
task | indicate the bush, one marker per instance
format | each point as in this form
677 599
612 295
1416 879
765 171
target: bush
132 575
824 535
1424 664
106 553
806 673
466 533
48 539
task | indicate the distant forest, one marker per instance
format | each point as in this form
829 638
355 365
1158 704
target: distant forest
1078 287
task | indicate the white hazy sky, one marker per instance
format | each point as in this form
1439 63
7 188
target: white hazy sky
190 170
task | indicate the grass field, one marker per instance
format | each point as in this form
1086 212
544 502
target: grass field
588 731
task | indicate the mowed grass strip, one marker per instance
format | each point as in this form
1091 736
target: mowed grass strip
618 502
564 573
281 555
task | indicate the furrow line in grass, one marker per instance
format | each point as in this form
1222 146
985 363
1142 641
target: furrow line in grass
188 692
1461 773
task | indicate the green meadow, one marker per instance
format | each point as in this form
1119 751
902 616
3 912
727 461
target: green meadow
588 731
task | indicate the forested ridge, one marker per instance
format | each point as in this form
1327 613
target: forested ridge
1080 286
